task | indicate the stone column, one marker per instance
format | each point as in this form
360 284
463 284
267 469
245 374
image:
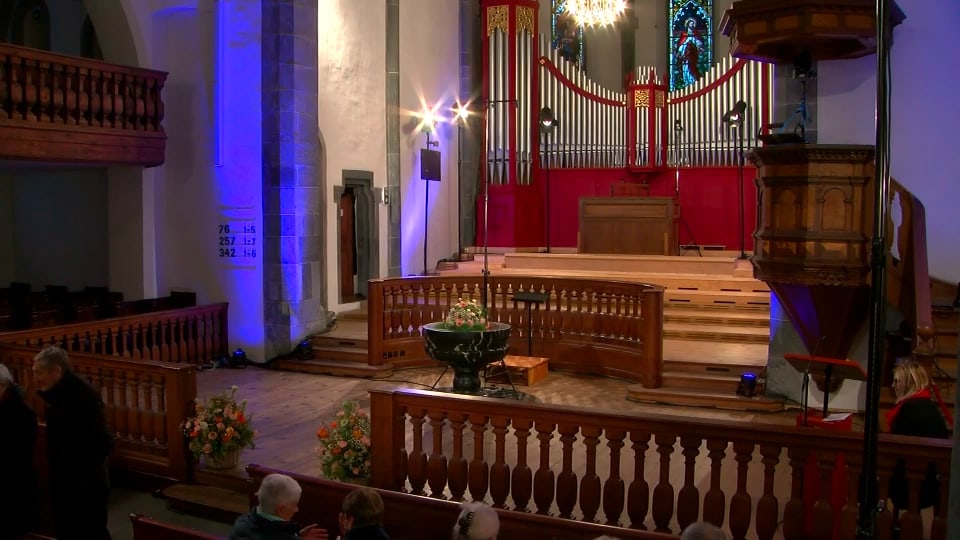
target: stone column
392 97
470 81
294 200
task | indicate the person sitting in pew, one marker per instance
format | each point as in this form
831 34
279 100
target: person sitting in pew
18 436
361 517
279 498
477 521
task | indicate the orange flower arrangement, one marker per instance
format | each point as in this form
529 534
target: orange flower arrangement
345 444
221 425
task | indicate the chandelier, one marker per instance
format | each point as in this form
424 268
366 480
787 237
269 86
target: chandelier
595 12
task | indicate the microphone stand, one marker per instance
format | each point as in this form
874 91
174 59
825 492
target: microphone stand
680 160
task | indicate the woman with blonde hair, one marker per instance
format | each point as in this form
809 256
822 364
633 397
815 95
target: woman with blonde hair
477 521
919 412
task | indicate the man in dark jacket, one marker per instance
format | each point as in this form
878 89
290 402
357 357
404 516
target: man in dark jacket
78 443
278 497
18 435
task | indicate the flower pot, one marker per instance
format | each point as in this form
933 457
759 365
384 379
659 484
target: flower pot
222 462
467 352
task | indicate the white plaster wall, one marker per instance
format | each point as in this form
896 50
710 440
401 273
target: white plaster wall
352 83
60 227
124 232
212 175
924 155
429 70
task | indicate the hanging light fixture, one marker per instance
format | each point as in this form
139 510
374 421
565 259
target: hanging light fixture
595 12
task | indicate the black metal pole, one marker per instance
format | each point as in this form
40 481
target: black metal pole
426 214
459 188
486 241
740 164
548 192
866 521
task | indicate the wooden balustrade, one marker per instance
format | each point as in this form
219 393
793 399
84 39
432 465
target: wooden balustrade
587 326
639 471
194 335
84 110
145 402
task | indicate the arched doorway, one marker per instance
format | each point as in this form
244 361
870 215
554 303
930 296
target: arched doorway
358 243
30 25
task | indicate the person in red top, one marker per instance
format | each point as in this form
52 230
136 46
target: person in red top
919 412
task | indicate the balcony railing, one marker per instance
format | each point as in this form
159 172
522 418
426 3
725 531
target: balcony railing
55 107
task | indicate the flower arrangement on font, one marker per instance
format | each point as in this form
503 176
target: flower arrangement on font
345 444
466 316
220 426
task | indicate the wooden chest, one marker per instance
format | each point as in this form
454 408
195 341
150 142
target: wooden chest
524 370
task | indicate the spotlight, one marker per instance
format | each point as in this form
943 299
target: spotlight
461 113
734 117
548 122
748 385
304 350
238 359
428 121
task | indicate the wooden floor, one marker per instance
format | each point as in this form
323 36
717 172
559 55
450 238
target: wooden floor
287 407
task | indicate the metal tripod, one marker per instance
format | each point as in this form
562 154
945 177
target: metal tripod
679 161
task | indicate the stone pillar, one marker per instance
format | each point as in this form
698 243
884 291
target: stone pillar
392 97
293 195
470 92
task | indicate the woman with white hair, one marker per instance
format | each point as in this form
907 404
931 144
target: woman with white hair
18 435
477 521
279 500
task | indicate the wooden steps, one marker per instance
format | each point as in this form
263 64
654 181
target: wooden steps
691 397
209 501
620 263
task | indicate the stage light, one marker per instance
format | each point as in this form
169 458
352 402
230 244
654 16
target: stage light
734 117
428 121
238 359
748 385
304 350
548 124
461 113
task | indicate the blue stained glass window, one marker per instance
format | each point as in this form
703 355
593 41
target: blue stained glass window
691 41
567 35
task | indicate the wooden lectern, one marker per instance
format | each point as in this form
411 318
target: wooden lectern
829 369
628 225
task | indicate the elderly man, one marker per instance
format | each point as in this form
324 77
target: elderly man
78 444
18 435
279 498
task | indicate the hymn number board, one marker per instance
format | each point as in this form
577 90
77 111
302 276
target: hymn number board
237 239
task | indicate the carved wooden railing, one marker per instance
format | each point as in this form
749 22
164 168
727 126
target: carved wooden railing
908 286
58 96
639 471
194 335
145 402
587 326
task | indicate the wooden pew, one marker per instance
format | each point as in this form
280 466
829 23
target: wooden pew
145 528
412 517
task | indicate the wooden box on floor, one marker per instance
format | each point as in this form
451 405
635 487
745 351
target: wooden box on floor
524 370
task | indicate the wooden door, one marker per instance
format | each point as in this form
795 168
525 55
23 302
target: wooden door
348 245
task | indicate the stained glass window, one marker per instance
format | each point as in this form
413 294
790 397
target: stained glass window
567 34
691 41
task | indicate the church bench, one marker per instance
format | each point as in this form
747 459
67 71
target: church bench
145 528
414 517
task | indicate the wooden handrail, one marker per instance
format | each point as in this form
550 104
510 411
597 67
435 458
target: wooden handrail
44 87
193 335
145 403
611 328
447 446
909 288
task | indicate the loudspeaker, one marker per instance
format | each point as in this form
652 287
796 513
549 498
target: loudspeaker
430 165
